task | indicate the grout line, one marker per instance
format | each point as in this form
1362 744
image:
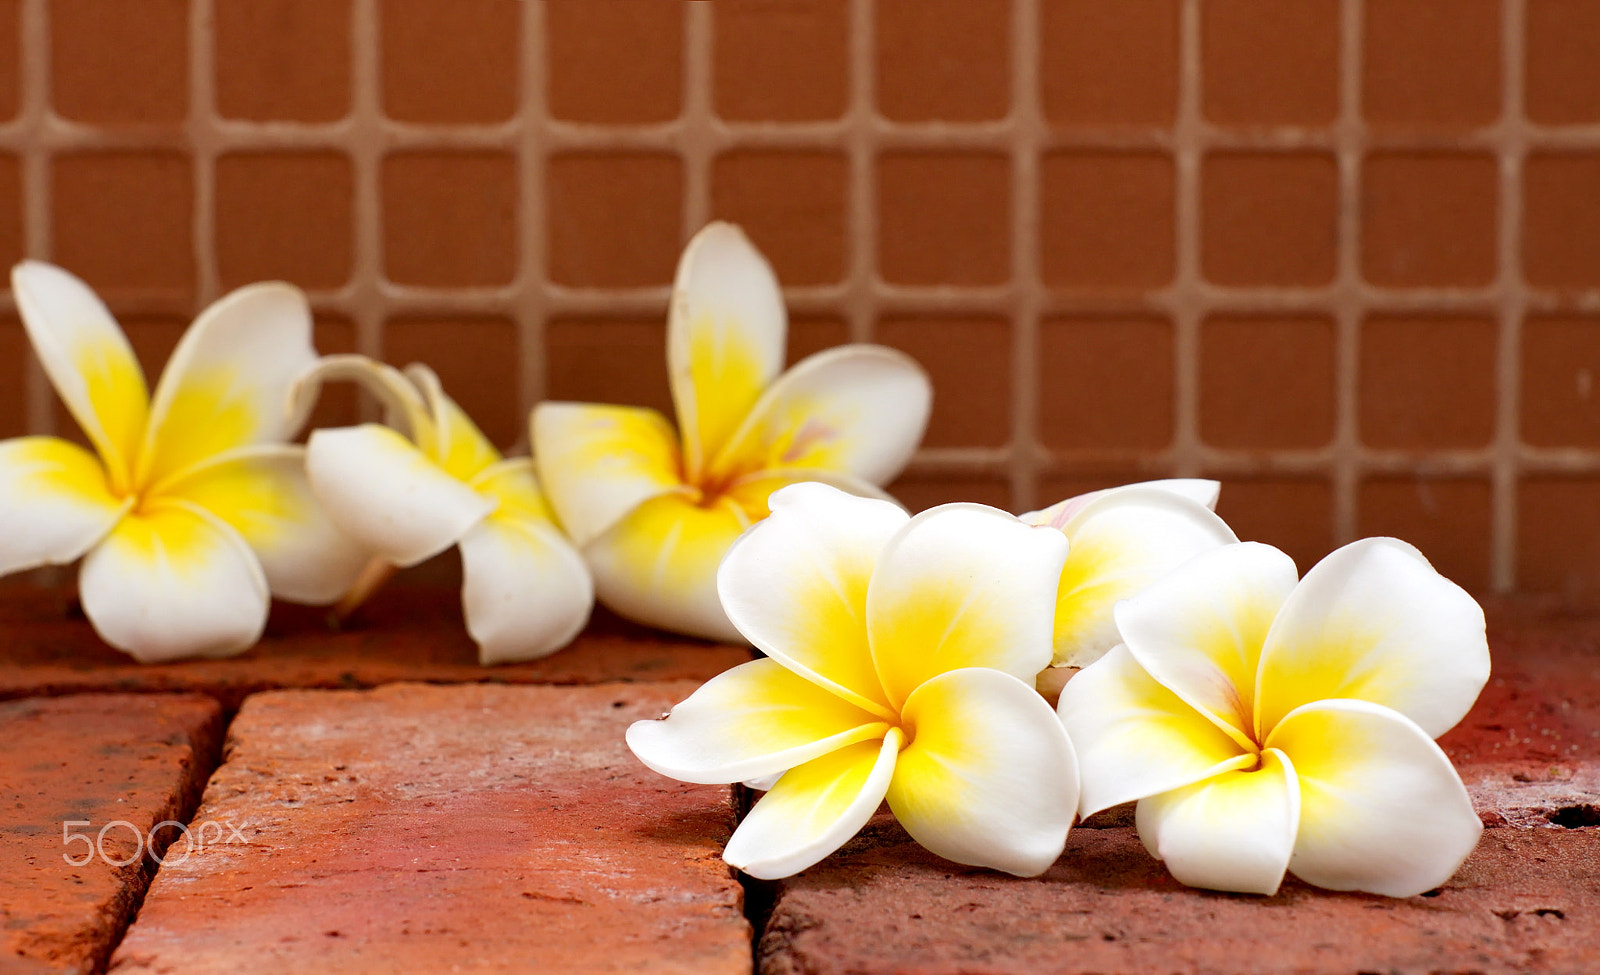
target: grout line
1348 295
1027 125
696 137
200 128
1512 151
1187 285
363 129
860 297
530 304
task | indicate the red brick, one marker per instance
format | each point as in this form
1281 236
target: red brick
405 633
420 828
125 759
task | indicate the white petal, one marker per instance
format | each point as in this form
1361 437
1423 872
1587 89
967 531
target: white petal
597 463
749 722
962 585
1199 629
54 503
1375 622
402 401
795 585
88 360
988 777
1381 809
525 591
381 491
1135 738
1233 831
175 582
1121 542
858 409
1199 490
228 382
458 446
726 330
813 809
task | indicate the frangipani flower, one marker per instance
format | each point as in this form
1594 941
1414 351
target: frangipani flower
900 659
1122 539
525 591
191 511
652 510
1266 725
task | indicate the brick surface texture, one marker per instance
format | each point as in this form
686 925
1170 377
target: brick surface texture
472 828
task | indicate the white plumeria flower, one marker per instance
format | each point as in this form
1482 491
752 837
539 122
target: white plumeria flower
900 659
525 591
1265 725
652 514
1122 539
194 512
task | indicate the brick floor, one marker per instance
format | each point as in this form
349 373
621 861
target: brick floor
474 828
93 760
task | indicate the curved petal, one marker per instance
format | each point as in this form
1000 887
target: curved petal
88 360
1121 542
1199 490
726 330
525 591
263 494
988 777
659 565
859 409
459 446
796 586
1233 831
962 585
1135 738
402 401
813 809
174 582
1199 629
1374 621
54 502
749 722
381 491
597 463
752 491
1381 809
228 382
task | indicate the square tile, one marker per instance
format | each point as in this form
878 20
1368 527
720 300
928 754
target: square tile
11 245
608 360
1562 84
920 491
477 360
1106 383
450 218
450 61
125 220
120 63
1427 382
15 354
614 220
1266 382
809 335
284 216
1447 518
1269 218
792 204
944 218
1558 536
1270 64
969 362
1109 62
614 61
1294 514
282 59
1561 221
943 59
1429 219
781 60
1106 220
1432 63
11 64
1561 381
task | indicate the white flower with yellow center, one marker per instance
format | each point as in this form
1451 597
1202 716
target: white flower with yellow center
191 511
1266 725
652 510
525 591
900 659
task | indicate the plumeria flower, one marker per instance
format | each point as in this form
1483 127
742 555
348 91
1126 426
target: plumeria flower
654 510
900 659
1122 539
1266 725
525 591
191 511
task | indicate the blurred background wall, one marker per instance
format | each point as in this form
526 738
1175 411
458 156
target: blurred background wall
1343 255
